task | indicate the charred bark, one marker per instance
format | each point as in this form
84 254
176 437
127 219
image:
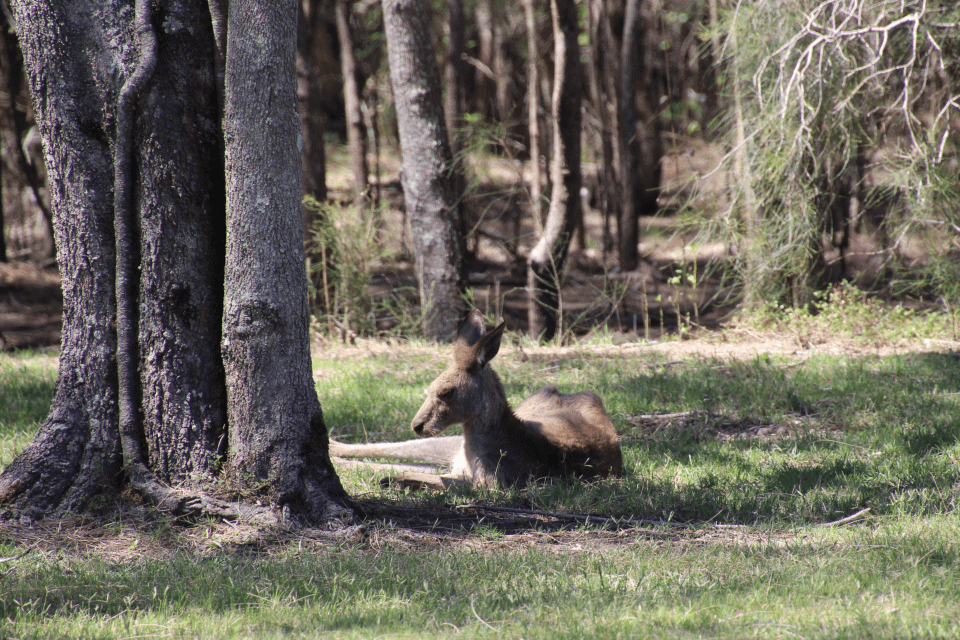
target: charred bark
641 148
310 103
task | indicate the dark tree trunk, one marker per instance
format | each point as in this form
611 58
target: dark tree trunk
484 81
277 430
169 274
455 71
429 181
604 94
76 453
356 130
641 148
546 260
3 227
310 103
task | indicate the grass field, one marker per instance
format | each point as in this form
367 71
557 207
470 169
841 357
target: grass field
762 456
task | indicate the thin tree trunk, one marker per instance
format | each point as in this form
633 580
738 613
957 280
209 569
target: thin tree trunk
313 163
628 214
3 227
455 74
604 94
502 70
277 434
356 130
546 260
484 81
537 154
747 207
429 186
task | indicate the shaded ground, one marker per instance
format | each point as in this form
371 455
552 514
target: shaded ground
30 307
134 533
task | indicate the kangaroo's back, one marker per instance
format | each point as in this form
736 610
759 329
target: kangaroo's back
578 438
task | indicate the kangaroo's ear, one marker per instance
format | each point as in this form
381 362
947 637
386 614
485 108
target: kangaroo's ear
489 345
471 329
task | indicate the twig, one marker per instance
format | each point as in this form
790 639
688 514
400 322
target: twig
477 616
669 416
575 516
842 521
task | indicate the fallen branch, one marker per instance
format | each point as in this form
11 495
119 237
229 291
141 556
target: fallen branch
577 517
851 518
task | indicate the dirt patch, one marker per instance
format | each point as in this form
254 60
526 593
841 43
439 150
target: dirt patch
31 307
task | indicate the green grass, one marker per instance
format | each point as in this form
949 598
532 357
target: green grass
866 432
26 389
840 434
889 581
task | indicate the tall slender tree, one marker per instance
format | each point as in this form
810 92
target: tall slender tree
352 103
429 182
640 146
310 27
546 260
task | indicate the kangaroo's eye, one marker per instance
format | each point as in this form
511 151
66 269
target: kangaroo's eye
446 394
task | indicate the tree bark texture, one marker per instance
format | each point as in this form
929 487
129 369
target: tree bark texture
76 454
277 432
429 181
79 56
641 147
546 260
356 129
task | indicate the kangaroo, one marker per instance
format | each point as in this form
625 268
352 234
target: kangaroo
548 435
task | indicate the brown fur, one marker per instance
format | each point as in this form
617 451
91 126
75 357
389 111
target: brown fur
548 435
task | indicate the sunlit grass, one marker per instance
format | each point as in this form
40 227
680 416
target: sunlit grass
780 447
26 389
890 580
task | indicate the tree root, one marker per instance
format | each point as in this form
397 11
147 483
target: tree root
197 504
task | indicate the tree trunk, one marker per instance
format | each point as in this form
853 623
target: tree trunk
169 273
641 149
310 102
455 74
537 154
604 93
277 430
356 130
484 82
429 182
546 260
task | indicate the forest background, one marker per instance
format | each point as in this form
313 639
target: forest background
763 155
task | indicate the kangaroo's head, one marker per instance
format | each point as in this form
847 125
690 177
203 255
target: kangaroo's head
468 390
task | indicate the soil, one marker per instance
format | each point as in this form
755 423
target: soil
31 306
